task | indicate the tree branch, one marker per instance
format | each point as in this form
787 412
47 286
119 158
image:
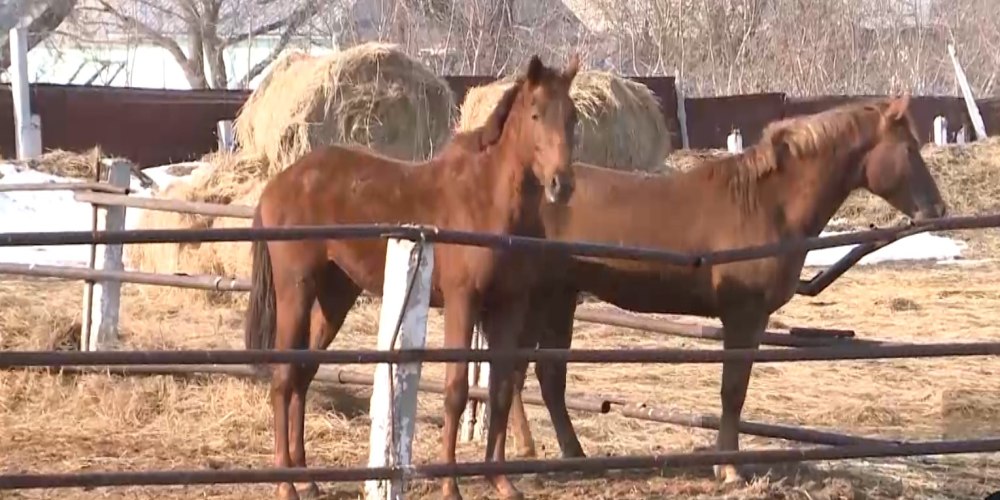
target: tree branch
42 26
195 76
295 20
297 17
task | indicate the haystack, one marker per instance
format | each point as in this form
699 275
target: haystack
372 94
620 122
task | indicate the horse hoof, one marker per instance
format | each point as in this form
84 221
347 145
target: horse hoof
506 489
309 491
287 492
527 453
450 492
729 475
512 495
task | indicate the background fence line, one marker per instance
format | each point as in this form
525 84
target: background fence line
188 121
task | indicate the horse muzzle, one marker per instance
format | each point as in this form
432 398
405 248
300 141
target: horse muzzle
559 188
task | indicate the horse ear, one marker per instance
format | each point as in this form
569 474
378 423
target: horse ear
535 69
898 107
493 128
573 67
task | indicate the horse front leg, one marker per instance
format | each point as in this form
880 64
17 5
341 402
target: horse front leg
503 324
459 318
742 330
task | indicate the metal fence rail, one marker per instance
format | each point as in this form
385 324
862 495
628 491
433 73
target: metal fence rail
447 236
10 359
430 471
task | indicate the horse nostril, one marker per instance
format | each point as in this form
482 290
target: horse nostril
554 184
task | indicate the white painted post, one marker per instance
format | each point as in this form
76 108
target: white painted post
394 396
735 142
224 129
941 131
105 302
482 423
962 136
681 111
26 146
475 420
970 102
466 433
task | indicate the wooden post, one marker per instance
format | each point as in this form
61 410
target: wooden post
681 111
941 131
970 100
962 136
27 146
735 142
394 396
475 420
102 302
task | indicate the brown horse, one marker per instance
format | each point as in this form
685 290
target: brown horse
786 186
491 179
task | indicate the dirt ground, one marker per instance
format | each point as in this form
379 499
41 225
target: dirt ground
53 422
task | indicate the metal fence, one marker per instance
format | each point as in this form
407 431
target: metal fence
440 236
808 349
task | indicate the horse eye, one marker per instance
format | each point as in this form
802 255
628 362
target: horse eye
534 116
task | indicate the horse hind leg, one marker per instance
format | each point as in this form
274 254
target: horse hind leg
555 330
335 296
518 417
295 294
742 330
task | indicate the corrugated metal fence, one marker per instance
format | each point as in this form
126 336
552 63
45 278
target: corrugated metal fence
155 127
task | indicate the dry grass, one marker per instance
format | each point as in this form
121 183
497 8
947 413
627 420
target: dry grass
57 422
620 124
347 97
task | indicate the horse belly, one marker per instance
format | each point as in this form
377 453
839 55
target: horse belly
663 290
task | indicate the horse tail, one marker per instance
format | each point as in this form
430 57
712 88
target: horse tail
260 324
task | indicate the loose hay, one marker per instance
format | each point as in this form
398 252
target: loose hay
70 164
372 94
620 122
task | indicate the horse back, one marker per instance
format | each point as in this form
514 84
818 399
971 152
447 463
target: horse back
345 185
687 213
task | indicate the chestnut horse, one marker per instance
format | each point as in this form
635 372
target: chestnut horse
786 186
492 179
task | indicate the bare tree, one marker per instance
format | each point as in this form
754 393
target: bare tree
46 16
196 33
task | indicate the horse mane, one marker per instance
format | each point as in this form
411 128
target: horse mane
479 138
828 133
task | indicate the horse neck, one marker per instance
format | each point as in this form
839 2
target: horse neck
815 187
500 172
507 175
